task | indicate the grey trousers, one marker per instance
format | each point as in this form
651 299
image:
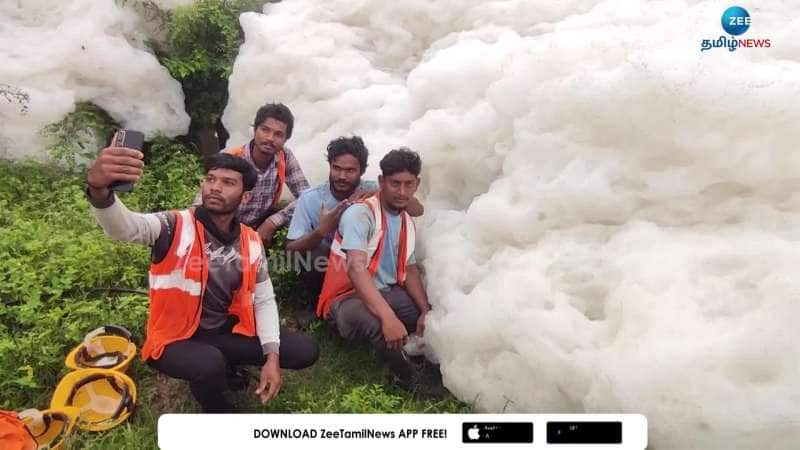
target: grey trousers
354 322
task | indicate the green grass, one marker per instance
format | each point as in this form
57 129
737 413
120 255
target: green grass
344 380
60 277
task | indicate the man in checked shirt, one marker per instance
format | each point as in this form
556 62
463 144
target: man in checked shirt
276 167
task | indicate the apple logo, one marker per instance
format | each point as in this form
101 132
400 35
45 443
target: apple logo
474 433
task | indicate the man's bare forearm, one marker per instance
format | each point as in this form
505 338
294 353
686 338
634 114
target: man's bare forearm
308 242
366 290
281 217
415 288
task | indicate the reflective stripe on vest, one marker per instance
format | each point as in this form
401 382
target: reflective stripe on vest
337 284
276 196
178 281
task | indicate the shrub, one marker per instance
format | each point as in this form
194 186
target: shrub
202 44
60 276
75 139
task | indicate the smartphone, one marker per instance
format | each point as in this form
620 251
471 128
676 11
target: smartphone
130 139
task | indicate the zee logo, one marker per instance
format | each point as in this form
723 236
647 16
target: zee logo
735 20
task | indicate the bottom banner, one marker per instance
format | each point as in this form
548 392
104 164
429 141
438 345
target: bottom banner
399 431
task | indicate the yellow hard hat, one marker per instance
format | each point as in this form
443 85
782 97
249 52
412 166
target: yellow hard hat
49 427
105 398
108 347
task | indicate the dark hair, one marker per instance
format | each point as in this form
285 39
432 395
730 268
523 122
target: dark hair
399 160
226 161
349 146
277 111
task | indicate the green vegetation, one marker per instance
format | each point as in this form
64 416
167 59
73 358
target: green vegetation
75 139
202 44
61 277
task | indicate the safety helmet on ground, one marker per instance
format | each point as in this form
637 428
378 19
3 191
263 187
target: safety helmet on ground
49 427
105 398
108 347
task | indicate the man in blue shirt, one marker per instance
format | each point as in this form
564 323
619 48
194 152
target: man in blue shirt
318 210
373 290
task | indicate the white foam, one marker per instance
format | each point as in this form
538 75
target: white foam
611 214
59 53
172 4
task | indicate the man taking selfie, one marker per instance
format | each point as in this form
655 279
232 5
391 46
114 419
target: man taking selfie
212 304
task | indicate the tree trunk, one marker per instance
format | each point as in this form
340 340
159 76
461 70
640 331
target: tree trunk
206 140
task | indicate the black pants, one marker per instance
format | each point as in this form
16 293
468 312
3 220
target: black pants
355 322
312 272
204 359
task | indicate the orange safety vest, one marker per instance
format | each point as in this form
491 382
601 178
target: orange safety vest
178 282
276 196
337 284
14 435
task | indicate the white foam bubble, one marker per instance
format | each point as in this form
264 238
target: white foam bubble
612 214
172 4
58 53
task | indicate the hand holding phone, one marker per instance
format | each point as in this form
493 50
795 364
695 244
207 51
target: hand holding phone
119 165
128 139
